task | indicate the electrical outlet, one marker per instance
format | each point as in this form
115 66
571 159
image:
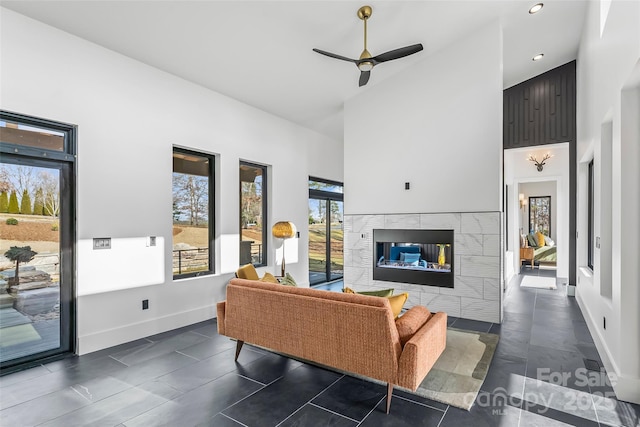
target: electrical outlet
145 304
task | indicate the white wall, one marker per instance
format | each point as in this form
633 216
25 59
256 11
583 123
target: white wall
608 78
519 170
129 117
436 125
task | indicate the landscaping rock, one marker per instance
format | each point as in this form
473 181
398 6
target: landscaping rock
37 301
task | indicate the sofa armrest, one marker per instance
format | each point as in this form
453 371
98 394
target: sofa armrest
221 308
421 351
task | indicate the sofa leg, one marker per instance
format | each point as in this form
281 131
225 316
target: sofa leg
389 394
238 348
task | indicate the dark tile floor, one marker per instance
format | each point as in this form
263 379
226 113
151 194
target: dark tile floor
187 377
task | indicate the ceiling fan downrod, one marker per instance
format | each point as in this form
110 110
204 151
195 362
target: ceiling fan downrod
364 13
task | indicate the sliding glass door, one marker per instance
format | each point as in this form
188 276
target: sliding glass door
326 233
36 240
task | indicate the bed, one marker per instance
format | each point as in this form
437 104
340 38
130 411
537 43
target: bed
545 254
548 253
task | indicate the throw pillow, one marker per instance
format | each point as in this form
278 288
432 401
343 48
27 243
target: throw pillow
287 280
411 258
380 293
540 238
409 323
548 241
532 240
397 302
268 277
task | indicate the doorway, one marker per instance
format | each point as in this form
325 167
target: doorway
37 188
538 201
326 231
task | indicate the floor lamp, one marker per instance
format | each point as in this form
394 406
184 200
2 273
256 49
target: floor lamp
283 230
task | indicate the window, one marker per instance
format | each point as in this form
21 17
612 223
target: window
253 214
326 233
590 217
540 215
192 213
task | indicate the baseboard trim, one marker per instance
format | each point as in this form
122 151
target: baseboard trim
131 332
626 388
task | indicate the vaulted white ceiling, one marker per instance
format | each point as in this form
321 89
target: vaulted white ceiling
259 52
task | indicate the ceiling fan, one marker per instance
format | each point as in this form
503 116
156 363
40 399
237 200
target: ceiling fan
366 62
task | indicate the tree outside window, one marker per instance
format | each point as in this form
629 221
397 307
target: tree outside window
192 213
253 208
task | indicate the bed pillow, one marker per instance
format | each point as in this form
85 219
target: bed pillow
548 241
532 240
540 239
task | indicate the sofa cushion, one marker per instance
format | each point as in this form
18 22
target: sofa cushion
397 302
409 323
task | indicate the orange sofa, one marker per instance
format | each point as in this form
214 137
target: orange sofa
350 332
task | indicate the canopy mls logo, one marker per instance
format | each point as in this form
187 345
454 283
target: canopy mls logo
564 395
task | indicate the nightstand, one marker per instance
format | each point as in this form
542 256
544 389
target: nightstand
526 254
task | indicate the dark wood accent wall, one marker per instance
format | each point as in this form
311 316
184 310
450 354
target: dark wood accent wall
541 110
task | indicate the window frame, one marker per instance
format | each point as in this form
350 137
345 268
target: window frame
531 224
211 212
590 214
265 217
327 196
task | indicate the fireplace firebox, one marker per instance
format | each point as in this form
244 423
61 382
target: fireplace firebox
423 257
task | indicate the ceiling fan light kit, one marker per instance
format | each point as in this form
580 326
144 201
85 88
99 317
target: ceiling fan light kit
366 62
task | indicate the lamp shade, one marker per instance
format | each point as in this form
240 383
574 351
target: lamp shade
283 230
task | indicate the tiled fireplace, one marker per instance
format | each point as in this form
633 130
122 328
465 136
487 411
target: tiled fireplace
476 264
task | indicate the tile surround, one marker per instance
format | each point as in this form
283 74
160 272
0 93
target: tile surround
477 262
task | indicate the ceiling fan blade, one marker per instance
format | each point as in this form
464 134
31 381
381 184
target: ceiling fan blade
333 55
364 78
398 53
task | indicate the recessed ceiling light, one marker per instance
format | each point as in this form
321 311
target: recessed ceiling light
536 8
538 57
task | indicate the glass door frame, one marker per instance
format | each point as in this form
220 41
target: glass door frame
327 197
64 162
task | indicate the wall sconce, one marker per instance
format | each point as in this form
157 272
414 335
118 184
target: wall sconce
523 201
283 230
541 163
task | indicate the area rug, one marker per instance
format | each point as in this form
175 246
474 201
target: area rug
538 282
457 376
